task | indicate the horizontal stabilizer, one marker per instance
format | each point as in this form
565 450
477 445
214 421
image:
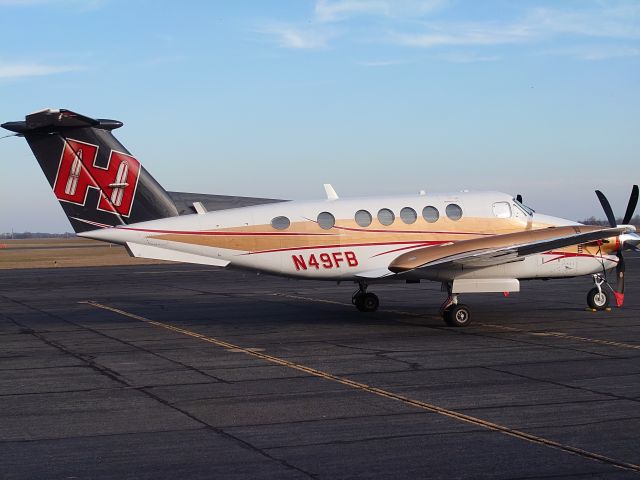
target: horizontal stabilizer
51 120
184 201
158 253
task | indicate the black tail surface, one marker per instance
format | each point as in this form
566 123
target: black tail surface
95 178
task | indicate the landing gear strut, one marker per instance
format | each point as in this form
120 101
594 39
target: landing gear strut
453 313
365 301
598 298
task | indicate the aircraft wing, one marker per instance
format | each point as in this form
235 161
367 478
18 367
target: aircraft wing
499 249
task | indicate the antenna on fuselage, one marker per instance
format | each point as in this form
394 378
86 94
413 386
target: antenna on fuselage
331 193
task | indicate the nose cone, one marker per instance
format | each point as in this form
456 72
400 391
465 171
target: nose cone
630 240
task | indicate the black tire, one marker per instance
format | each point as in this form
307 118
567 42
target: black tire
358 300
458 316
597 300
446 316
370 302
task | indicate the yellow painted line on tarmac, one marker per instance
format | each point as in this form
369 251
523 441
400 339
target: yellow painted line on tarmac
379 392
563 336
310 299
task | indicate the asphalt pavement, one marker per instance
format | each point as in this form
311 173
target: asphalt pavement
178 371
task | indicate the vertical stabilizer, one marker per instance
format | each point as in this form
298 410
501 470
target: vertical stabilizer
96 179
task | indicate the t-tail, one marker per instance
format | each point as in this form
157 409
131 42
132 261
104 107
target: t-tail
97 181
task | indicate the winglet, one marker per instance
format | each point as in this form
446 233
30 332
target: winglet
331 193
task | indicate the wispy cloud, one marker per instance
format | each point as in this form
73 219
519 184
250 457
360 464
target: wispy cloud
296 36
381 63
336 10
595 52
456 34
319 31
415 24
24 70
77 5
610 21
615 22
467 57
31 3
330 11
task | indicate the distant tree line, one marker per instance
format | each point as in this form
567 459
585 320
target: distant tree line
23 235
599 221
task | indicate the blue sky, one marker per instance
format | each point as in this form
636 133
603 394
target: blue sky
274 98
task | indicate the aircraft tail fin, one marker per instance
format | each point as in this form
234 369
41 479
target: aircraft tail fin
97 181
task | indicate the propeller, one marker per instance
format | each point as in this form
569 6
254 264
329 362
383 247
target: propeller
631 207
627 240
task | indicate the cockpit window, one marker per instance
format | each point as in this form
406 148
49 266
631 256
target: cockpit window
502 210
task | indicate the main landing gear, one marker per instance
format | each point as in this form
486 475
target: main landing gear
365 301
453 313
598 298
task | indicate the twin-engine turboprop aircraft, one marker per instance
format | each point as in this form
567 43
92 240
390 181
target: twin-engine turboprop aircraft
468 241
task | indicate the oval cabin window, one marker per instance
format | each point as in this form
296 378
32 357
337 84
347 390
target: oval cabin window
430 214
326 220
363 218
280 223
453 211
408 215
386 216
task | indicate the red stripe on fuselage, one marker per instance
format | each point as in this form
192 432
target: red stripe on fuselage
338 245
207 233
561 255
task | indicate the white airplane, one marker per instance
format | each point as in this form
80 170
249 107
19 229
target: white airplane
468 241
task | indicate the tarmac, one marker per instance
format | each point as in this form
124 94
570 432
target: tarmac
178 371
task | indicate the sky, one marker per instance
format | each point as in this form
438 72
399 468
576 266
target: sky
274 98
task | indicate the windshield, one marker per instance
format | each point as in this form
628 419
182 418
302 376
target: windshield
523 207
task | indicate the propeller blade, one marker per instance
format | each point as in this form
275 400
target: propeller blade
519 198
606 206
618 293
631 207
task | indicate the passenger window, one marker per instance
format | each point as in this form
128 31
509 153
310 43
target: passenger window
453 211
363 218
430 214
408 215
280 223
386 216
502 210
326 220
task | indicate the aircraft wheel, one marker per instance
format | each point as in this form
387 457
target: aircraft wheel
598 300
457 315
357 300
447 317
366 302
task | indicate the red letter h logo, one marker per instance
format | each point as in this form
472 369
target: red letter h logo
77 173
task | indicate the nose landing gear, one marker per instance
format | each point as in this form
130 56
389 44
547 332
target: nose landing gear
365 301
598 298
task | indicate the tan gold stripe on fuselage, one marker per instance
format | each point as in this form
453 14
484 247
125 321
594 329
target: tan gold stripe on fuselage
308 234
